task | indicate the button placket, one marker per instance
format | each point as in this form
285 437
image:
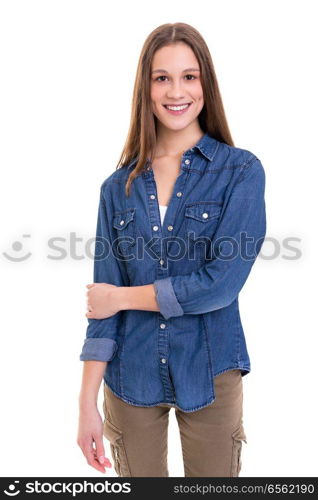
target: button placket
162 269
177 194
163 353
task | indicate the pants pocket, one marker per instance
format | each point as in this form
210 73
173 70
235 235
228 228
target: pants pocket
117 448
237 436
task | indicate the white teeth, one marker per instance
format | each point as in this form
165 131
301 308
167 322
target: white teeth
177 108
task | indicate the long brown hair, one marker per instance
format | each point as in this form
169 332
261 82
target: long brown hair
142 130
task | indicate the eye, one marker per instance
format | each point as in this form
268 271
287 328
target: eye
157 79
163 76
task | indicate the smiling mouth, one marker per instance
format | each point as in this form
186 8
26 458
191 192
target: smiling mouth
177 107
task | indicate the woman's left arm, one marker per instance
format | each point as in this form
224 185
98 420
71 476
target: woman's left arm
236 244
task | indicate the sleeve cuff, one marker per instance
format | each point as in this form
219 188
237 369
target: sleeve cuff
98 349
166 298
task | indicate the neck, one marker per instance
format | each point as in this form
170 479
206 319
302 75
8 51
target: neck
175 142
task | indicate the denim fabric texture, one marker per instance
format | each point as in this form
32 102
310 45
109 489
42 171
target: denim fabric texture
198 261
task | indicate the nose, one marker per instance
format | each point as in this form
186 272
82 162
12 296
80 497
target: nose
176 91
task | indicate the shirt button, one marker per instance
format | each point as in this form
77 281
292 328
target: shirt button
170 228
179 194
161 261
205 215
152 197
163 360
187 162
155 228
122 222
162 325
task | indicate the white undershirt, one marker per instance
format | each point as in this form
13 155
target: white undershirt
162 209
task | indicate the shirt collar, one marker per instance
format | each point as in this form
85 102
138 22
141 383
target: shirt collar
207 145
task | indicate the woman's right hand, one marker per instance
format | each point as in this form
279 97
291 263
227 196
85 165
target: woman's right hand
90 433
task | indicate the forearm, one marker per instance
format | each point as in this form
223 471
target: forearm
93 372
141 298
217 283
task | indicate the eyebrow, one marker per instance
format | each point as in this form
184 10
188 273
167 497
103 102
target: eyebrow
164 71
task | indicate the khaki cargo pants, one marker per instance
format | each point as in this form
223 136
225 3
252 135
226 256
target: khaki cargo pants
211 437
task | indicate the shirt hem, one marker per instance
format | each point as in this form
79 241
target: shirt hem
132 402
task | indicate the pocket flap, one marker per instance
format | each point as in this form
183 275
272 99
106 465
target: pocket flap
239 434
121 219
203 211
111 432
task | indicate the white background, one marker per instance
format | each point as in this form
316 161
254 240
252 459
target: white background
67 74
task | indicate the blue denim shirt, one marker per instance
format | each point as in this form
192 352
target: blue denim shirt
198 260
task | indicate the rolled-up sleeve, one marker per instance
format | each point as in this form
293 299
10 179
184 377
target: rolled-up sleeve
101 334
166 298
235 246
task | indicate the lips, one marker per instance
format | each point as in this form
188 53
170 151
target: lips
177 112
182 104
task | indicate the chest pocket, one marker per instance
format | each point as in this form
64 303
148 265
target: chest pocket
202 218
125 224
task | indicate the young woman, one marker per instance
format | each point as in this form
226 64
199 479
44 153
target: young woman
180 224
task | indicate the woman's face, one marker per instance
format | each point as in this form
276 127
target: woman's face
175 80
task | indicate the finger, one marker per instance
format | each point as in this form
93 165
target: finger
91 460
100 453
